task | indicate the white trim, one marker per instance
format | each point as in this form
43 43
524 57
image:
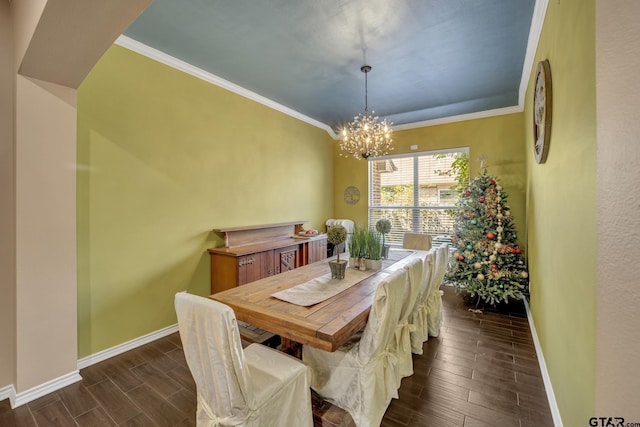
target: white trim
178 64
72 377
551 397
421 153
461 118
126 346
45 388
537 20
8 392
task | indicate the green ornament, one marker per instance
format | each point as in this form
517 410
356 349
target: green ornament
469 247
474 222
502 196
515 236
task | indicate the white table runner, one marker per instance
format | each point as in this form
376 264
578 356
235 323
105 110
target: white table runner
324 287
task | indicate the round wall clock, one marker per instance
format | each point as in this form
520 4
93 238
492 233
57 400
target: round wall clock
351 195
542 101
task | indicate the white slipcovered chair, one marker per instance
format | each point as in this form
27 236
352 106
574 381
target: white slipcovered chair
401 345
360 377
257 386
419 316
434 303
416 241
348 224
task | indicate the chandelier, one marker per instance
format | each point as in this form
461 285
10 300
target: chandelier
365 136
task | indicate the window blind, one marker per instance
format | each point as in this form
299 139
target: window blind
417 192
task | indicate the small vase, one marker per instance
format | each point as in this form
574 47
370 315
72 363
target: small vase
338 268
354 263
385 252
373 264
362 264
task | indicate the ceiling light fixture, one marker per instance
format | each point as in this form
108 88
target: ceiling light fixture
365 136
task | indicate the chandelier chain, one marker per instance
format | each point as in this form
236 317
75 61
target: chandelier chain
366 91
365 136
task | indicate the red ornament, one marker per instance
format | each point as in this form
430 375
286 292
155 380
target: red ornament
511 250
467 193
460 257
517 250
490 236
481 199
494 267
493 182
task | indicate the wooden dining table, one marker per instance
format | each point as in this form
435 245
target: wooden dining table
326 325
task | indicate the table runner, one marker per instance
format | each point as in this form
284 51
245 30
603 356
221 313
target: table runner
324 287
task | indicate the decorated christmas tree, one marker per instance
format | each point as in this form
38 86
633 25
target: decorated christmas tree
487 261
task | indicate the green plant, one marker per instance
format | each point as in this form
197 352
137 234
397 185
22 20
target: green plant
336 235
383 226
459 169
357 242
373 245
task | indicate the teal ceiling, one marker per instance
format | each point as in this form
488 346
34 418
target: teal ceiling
431 58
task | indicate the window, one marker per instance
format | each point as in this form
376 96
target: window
417 191
447 196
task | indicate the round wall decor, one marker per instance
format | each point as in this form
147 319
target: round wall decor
351 195
542 102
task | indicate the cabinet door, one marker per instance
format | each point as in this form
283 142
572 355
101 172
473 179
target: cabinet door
255 267
245 271
224 272
286 258
317 250
264 264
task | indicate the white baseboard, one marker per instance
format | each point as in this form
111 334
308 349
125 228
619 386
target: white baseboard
45 388
551 397
8 392
126 346
18 399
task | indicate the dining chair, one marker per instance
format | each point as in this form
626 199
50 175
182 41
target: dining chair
419 316
401 345
348 224
359 377
257 386
434 303
416 241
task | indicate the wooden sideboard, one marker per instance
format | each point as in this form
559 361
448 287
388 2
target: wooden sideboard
254 252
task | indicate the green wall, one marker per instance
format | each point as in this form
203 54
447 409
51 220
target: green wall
499 139
163 158
561 207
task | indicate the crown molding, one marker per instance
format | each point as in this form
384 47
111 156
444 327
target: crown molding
461 118
537 21
178 64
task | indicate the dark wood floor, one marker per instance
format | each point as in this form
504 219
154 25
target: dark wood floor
481 371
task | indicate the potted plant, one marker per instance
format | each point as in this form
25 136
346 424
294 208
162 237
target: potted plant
356 247
337 235
383 226
373 250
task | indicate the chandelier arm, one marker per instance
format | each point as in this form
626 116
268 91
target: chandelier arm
365 136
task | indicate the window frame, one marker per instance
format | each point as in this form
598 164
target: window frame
415 208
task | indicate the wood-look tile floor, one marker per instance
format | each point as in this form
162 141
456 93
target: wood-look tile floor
481 371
